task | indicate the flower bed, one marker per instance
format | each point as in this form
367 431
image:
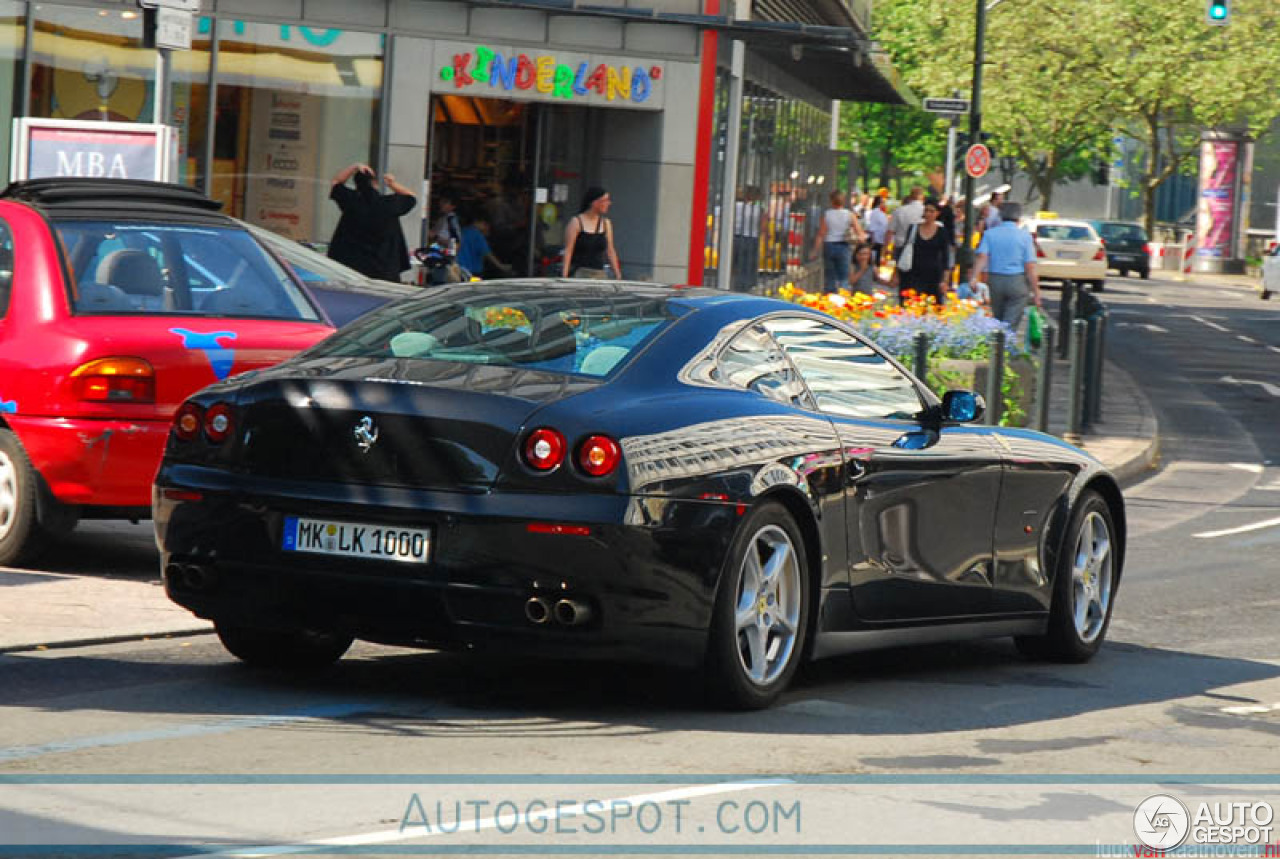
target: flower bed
959 335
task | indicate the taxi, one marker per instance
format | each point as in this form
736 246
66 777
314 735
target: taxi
1068 250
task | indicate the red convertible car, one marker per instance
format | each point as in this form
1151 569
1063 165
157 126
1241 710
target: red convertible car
118 300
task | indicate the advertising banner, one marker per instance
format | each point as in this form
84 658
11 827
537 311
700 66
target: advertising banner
1219 174
88 149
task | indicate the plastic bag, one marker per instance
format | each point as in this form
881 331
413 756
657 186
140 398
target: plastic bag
1035 327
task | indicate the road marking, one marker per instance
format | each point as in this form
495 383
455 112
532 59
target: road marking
1154 329
1243 529
1249 710
1215 326
1245 338
1274 348
1273 390
410 831
1251 467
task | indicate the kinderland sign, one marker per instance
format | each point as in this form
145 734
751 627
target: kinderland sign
589 79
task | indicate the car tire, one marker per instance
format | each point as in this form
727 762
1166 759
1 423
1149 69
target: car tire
1123 272
300 650
21 537
1145 274
759 611
1098 285
1084 587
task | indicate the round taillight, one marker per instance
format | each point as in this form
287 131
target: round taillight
598 455
218 423
186 423
544 449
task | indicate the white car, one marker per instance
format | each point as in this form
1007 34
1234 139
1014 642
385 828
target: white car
1271 271
1069 250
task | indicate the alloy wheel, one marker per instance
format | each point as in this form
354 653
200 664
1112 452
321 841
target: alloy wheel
8 494
767 611
1092 575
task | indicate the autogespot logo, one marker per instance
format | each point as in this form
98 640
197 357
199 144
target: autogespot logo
1161 822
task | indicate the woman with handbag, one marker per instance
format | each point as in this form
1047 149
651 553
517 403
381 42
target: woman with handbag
840 231
924 263
588 240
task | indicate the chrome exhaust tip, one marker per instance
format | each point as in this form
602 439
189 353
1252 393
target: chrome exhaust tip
537 610
572 612
174 574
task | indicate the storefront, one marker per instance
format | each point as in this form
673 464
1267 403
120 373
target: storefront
514 111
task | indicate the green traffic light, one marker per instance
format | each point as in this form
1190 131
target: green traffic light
1218 12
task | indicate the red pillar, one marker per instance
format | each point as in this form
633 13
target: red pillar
702 156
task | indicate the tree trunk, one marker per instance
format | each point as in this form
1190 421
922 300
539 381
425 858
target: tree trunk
1149 207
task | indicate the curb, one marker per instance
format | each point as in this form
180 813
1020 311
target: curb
1143 461
108 639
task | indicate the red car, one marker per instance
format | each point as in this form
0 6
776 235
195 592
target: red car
118 300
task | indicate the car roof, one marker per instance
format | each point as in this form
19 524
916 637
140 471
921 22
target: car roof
74 197
1066 222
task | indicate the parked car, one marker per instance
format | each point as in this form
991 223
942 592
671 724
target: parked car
1128 248
584 469
118 300
1271 271
343 293
1069 250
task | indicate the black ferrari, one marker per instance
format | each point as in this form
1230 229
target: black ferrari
704 479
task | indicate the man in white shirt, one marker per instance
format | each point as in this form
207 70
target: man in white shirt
747 215
909 214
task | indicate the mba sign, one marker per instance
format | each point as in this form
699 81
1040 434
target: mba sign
91 150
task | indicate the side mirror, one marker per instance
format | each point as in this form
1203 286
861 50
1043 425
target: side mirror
962 407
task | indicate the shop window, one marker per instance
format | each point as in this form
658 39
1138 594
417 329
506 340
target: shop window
292 112
12 33
90 64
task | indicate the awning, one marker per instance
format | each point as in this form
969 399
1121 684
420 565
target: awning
839 62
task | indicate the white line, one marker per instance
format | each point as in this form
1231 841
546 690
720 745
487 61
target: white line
1245 338
1215 326
1251 467
1274 348
410 831
1226 532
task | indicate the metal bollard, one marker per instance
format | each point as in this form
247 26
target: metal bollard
995 380
1100 359
1044 378
1066 312
1075 398
1090 370
920 345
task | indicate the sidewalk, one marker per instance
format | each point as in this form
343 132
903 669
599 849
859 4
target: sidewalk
40 610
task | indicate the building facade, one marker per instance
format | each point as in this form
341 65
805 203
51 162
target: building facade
512 109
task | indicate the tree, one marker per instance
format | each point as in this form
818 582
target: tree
892 140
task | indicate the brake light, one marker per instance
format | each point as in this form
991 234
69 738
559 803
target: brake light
1100 255
186 423
1146 249
1039 251
219 423
544 449
115 380
598 455
1103 241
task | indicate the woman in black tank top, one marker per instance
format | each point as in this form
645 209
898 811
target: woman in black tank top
588 244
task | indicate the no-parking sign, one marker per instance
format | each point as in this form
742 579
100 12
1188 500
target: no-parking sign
977 160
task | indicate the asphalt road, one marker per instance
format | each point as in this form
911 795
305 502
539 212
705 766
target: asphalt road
1189 683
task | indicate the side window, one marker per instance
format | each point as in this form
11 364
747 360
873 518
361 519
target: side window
846 376
6 268
752 361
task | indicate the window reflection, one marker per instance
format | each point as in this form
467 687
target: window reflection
753 361
846 376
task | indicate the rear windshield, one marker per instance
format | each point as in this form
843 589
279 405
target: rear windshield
587 335
131 268
1114 232
1065 233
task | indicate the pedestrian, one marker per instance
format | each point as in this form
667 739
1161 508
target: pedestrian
368 237
840 229
448 227
1008 254
474 254
909 214
931 256
748 214
588 240
876 227
863 274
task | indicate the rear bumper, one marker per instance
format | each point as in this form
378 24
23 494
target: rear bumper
1051 270
648 569
1136 260
107 463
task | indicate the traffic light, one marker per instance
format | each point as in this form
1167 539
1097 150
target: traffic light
1218 12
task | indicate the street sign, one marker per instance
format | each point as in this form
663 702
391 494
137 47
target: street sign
179 5
977 161
173 29
946 105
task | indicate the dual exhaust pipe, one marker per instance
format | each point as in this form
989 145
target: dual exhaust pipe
191 577
566 612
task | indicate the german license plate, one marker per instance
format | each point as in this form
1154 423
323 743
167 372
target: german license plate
352 540
1068 254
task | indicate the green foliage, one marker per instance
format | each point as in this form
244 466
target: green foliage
1062 75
